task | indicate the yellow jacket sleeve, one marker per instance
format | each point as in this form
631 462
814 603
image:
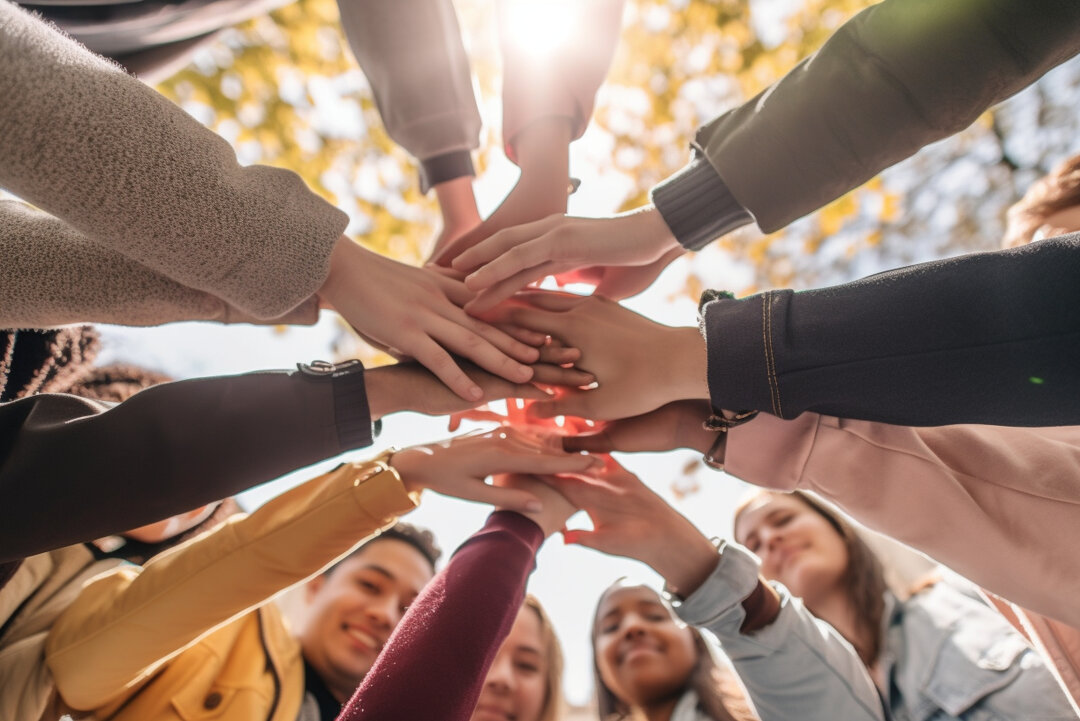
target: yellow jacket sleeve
128 623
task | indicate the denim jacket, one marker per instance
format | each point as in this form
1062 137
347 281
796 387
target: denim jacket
947 656
950 656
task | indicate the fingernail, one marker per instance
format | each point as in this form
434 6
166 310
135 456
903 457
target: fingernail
524 372
534 506
476 393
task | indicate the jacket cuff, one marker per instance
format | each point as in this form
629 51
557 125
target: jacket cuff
448 166
352 416
722 594
741 371
698 206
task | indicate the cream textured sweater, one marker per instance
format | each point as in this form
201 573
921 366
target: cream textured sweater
148 217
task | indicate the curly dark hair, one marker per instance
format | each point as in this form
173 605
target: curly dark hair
421 539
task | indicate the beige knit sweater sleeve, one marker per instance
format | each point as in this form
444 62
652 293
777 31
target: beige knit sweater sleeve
54 275
137 176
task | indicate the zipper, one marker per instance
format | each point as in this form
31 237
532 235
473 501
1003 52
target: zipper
274 670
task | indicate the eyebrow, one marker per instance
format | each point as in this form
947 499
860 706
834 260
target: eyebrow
526 648
764 519
378 569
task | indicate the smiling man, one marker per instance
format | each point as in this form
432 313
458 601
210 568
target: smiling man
351 611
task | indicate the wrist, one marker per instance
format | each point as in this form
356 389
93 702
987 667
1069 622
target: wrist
544 143
382 393
410 464
457 203
691 428
341 260
543 154
684 559
652 224
688 370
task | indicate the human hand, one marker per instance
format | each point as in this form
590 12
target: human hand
631 520
556 508
513 258
411 387
542 150
459 466
676 425
415 312
621 281
639 365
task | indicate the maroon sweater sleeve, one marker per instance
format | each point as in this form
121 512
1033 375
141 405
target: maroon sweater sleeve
439 655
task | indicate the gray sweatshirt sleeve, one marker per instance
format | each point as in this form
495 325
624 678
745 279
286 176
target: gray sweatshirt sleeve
896 77
797 666
412 54
121 164
54 275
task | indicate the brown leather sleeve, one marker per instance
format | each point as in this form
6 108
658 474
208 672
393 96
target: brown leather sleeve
73 469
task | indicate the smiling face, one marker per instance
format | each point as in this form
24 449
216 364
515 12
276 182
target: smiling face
642 654
353 609
797 546
516 684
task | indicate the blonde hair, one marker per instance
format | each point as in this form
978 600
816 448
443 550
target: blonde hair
553 699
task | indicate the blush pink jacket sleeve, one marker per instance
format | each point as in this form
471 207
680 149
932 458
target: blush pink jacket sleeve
999 505
562 84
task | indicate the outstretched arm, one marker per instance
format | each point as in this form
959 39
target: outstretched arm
134 173
790 663
176 446
896 77
439 655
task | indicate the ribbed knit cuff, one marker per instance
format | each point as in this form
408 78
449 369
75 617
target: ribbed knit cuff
441 168
697 205
352 416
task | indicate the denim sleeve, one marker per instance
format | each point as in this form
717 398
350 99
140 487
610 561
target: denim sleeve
796 667
990 338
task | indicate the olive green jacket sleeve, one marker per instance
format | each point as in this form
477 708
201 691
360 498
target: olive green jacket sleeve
896 77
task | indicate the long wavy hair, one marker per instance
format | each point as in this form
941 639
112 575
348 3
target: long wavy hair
553 698
864 577
720 696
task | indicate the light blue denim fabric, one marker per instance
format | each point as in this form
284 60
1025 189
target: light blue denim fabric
947 655
950 656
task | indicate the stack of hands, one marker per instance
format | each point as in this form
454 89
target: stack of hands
621 381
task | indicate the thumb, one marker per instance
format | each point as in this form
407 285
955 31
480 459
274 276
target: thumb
580 537
600 442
